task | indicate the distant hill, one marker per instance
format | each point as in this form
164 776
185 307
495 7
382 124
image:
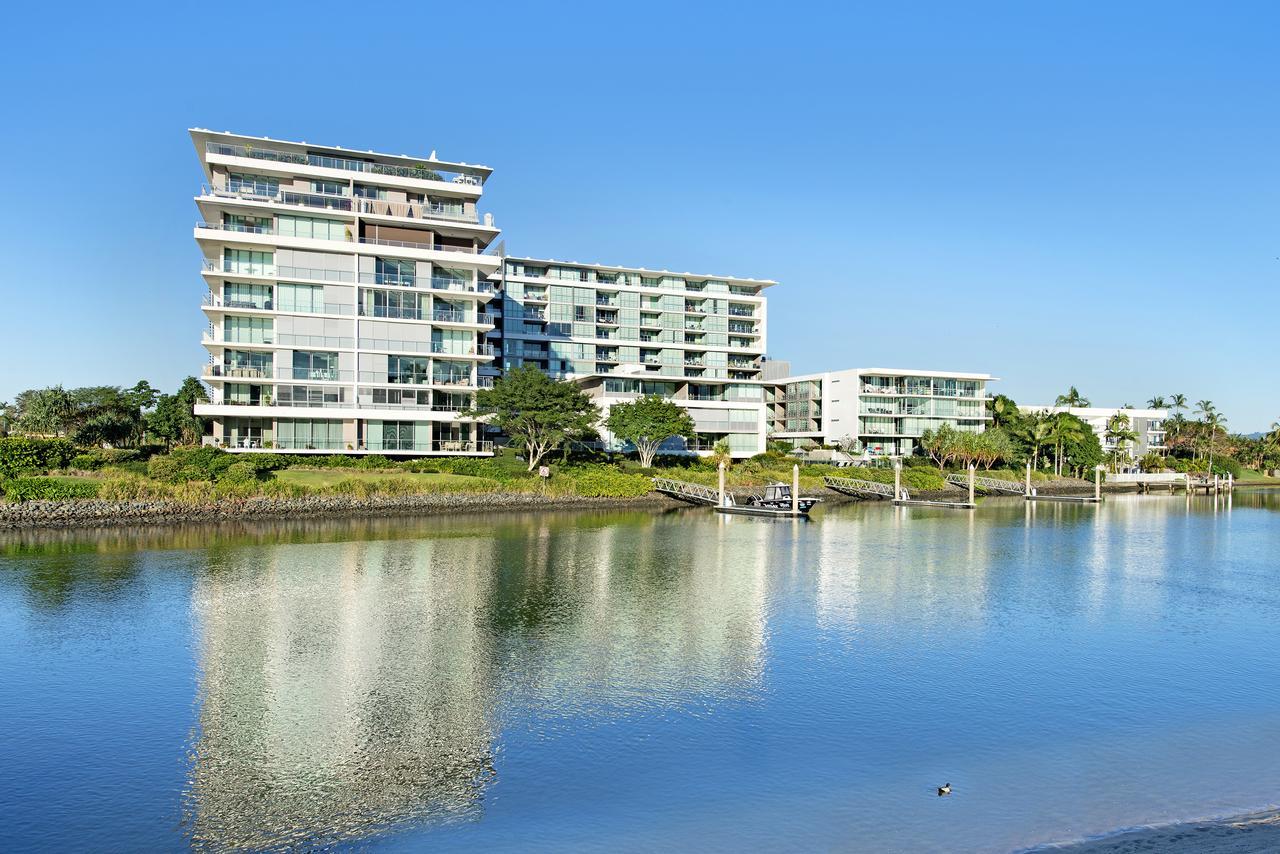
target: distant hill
1257 435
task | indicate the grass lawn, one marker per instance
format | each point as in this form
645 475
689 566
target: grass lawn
1251 476
328 477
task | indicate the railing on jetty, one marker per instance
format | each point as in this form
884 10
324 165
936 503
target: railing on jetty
859 488
693 493
990 484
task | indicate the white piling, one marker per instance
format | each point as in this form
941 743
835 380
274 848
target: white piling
1028 492
1097 483
795 490
897 480
971 471
721 484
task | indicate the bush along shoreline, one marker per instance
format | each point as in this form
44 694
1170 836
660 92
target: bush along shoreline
51 483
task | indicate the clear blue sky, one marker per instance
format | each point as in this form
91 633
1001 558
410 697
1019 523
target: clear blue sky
1053 193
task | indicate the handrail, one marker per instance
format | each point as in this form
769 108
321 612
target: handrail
994 484
853 486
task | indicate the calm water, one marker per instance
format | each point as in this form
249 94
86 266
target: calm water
630 681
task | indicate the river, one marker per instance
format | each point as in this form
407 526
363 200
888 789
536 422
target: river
643 680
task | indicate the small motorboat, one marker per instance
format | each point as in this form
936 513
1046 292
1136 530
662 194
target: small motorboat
776 501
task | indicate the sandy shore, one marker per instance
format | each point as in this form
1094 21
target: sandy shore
1242 834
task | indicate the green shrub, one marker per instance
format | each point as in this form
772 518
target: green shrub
239 473
97 458
48 489
204 463
131 487
18 454
165 469
1223 466
608 483
374 461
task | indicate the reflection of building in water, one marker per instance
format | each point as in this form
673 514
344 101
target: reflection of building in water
349 687
634 615
345 688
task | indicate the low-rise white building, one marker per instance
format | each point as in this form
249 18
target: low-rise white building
875 411
1147 423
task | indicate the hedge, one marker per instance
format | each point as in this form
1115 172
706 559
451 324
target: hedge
19 455
47 489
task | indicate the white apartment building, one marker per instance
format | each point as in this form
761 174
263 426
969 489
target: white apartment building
621 332
347 300
1147 423
875 411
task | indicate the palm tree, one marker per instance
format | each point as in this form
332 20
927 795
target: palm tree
1063 428
1071 398
1120 434
1214 423
1156 402
1204 408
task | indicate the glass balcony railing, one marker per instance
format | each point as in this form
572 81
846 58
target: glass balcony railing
420 171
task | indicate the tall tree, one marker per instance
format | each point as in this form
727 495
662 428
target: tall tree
941 444
1119 434
1072 398
538 413
646 423
46 411
1156 402
1215 423
1177 402
1003 411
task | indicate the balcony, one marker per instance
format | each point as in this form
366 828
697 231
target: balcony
436 446
438 348
271 194
236 227
420 172
412 210
430 247
438 283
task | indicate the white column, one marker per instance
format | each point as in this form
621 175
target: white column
795 489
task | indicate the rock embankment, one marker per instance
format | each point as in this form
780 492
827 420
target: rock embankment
97 513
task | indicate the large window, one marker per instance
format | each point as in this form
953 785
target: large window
249 263
242 295
393 271
314 366
329 188
408 369
245 432
310 395
242 363
319 229
301 298
257 185
247 330
398 435
396 304
309 434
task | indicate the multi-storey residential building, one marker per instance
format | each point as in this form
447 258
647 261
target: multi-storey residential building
347 297
875 411
1148 424
625 331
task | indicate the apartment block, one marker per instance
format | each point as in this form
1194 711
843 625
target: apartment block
622 332
348 297
1147 423
874 411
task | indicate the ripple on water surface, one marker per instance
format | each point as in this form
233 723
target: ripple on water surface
635 680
